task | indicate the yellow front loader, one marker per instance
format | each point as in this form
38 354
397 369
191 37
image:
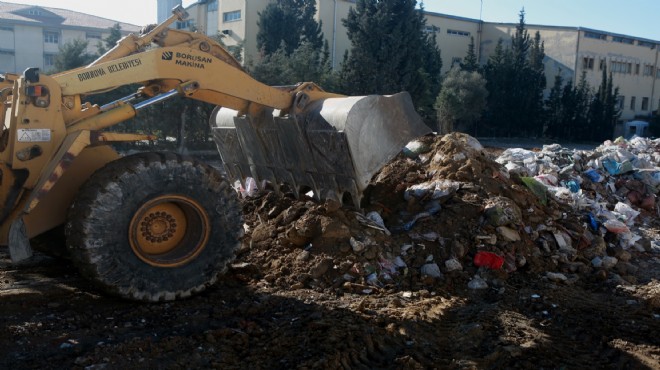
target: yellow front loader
158 226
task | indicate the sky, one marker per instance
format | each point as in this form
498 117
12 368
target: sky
629 17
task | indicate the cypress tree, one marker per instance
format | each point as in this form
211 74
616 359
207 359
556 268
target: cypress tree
288 23
390 51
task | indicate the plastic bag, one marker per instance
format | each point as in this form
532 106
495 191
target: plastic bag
488 259
593 175
616 226
626 211
537 188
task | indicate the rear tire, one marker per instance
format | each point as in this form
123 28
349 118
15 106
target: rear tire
154 227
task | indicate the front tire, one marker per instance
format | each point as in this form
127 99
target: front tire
154 227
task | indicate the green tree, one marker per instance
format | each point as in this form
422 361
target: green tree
498 72
516 80
306 63
461 101
390 52
470 62
554 108
603 111
110 41
72 54
288 23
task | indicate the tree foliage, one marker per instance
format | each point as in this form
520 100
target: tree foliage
286 24
110 41
516 80
461 101
578 112
72 54
390 52
306 63
470 62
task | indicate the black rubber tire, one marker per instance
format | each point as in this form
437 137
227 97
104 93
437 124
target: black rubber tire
97 230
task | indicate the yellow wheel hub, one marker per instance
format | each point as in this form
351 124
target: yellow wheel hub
169 231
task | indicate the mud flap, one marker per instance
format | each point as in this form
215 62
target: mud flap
19 244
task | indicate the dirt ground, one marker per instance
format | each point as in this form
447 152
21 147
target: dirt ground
315 285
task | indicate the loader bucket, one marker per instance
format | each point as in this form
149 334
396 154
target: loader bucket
333 148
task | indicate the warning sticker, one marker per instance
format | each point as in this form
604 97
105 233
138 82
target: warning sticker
33 135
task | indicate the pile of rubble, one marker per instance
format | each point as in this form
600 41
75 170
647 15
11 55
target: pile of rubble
447 214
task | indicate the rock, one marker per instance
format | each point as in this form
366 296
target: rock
556 277
453 265
502 211
623 255
609 262
321 268
431 269
457 249
332 228
597 262
303 256
508 234
292 237
357 245
477 283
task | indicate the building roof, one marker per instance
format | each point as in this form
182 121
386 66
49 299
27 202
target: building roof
44 16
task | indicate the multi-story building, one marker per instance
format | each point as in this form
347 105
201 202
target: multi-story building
30 36
569 50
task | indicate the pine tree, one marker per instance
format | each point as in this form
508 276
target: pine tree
288 22
110 41
516 80
603 110
470 62
390 52
72 54
554 108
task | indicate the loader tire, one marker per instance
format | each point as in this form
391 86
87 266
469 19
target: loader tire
154 227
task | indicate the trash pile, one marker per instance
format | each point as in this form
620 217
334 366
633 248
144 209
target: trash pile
446 214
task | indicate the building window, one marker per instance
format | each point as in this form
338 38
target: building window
35 12
231 16
594 35
458 33
621 67
51 37
49 61
646 44
645 103
588 63
637 68
648 70
185 25
602 64
7 28
212 6
632 103
621 102
93 35
623 40
431 29
657 73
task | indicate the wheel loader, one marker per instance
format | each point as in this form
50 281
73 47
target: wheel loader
158 226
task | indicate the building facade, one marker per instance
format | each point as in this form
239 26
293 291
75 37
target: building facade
30 36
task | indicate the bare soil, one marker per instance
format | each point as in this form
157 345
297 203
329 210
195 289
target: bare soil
315 285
